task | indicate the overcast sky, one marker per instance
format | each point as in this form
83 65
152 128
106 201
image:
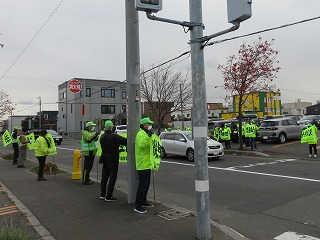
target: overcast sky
86 39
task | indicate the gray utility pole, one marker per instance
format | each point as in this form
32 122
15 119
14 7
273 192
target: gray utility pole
133 92
181 108
200 122
40 113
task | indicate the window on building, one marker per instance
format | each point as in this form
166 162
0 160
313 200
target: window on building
108 93
124 108
63 95
88 92
62 109
108 109
124 94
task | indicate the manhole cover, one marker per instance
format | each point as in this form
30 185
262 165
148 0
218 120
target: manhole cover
173 214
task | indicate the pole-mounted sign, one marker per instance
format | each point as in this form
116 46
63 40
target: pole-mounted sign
74 86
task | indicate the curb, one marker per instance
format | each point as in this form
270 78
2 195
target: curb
35 223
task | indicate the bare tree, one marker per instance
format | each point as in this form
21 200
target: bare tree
253 69
6 105
165 91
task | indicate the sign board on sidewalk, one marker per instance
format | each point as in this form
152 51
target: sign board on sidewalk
74 86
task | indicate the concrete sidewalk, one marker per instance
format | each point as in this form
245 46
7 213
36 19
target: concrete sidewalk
61 208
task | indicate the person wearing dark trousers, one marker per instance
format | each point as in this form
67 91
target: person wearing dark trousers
89 150
143 143
42 149
15 144
110 143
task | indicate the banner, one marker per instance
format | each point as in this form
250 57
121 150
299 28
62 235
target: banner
6 138
98 145
123 154
30 137
155 152
52 144
308 135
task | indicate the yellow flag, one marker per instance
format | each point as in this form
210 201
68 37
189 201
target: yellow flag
52 145
6 138
155 152
30 137
123 154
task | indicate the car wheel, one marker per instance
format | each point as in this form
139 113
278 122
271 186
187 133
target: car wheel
282 138
190 155
163 153
262 141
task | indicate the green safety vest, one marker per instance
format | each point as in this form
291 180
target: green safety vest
19 141
87 147
225 133
250 130
216 134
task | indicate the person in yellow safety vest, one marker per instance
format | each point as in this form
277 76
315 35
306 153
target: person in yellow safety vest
313 142
15 145
89 150
251 131
216 133
22 142
178 128
41 150
143 144
245 134
226 136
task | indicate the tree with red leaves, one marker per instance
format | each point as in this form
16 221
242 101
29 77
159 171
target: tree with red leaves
6 106
252 70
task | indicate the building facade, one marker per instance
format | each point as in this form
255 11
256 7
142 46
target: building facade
260 103
98 101
295 108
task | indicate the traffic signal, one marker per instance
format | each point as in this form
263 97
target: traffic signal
238 10
149 5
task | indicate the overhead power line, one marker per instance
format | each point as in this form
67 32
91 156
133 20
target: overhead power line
43 25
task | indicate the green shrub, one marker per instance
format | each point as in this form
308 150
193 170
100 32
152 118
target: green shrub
10 232
47 171
8 156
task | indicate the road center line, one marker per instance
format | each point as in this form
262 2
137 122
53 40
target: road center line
249 172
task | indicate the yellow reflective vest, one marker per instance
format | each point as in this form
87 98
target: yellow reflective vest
88 143
142 150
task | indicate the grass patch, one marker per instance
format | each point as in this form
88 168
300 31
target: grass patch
49 169
11 232
8 156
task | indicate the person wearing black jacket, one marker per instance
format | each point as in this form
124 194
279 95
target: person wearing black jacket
15 145
110 143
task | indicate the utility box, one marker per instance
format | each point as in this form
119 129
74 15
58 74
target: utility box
149 5
238 10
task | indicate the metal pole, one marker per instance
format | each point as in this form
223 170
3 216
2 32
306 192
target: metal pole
200 123
133 92
182 117
40 113
83 109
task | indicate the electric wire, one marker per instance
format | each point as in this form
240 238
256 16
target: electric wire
36 34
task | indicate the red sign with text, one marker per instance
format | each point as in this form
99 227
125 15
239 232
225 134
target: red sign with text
74 86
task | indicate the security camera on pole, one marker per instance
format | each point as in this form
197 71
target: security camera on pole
238 11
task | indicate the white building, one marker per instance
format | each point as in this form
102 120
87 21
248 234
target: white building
297 108
103 100
17 121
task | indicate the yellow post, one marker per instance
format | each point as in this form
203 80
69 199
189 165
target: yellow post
76 174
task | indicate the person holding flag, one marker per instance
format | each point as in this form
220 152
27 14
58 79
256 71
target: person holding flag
15 145
110 143
22 142
42 148
309 135
143 144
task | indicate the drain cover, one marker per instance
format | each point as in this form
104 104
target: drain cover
173 214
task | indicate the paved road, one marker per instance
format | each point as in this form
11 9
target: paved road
260 197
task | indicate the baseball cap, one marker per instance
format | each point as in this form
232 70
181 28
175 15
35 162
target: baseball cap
146 120
108 123
90 124
16 127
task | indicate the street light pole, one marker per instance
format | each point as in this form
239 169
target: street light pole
200 122
39 112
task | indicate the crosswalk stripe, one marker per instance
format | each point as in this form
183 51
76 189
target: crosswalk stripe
294 236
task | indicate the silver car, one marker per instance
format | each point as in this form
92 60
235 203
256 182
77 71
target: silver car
279 129
182 144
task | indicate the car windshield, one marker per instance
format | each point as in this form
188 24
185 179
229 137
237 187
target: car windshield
189 136
52 132
307 118
269 123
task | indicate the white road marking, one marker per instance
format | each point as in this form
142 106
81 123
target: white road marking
248 172
294 236
263 163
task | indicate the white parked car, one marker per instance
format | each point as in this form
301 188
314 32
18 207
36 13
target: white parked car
182 144
121 129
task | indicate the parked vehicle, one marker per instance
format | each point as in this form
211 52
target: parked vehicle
56 136
294 117
310 119
121 129
279 129
182 144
